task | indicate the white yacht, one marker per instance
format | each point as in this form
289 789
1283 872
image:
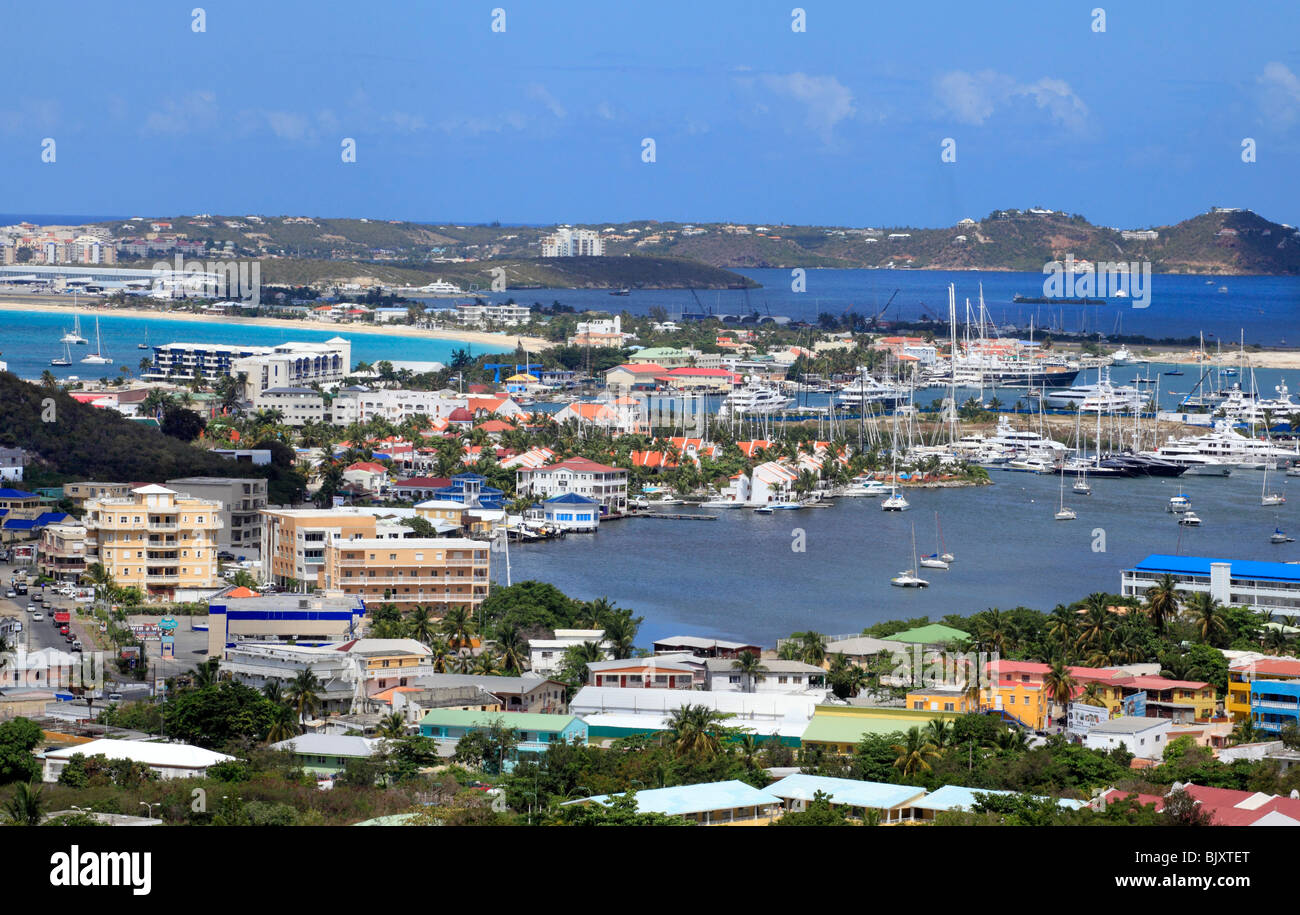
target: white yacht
866 391
1189 457
1189 519
1230 446
1102 397
895 503
1180 503
1010 443
755 399
1123 356
864 488
97 357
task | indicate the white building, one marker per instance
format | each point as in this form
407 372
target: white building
296 406
546 656
604 484
512 315
169 760
1143 737
788 677
12 461
359 405
570 242
262 367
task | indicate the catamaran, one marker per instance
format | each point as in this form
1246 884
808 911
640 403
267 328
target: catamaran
74 336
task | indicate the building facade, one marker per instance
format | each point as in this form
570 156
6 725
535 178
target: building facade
438 573
242 500
598 482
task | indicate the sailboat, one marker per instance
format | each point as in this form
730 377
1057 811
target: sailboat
145 344
1280 536
1063 513
1266 497
97 357
65 359
908 579
1081 483
74 336
895 502
941 558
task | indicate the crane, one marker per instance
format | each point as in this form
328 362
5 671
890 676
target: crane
875 320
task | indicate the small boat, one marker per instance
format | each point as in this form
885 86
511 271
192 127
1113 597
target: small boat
1189 519
933 561
1279 536
623 291
65 359
943 553
764 510
909 578
864 489
74 336
786 506
1081 485
895 502
1175 372
1179 503
145 344
97 357
722 503
1269 498
1063 513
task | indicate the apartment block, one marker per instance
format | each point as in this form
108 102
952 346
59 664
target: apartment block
61 553
434 572
297 406
80 492
242 501
155 539
598 482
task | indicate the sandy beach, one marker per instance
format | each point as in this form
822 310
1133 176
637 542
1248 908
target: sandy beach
478 338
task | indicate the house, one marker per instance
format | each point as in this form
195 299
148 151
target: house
613 712
1275 705
519 694
840 728
780 677
569 512
534 732
1144 737
600 482
168 760
891 803
12 462
1226 806
772 482
705 647
1177 700
632 376
546 656
689 378
412 702
642 673
328 754
368 475
958 797
729 803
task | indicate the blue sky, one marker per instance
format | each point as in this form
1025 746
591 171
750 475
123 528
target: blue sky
1139 125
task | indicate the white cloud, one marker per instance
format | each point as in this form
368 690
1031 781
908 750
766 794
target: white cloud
972 98
827 101
196 111
1280 96
539 93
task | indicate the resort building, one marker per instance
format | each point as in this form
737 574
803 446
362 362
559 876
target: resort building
569 512
729 803
534 732
569 242
296 406
434 572
296 365
167 760
1260 586
598 482
294 539
361 405
158 540
888 804
242 500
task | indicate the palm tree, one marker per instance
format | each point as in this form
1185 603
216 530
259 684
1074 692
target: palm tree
458 626
304 697
620 634
1092 695
1059 684
577 657
846 678
1244 732
27 805
487 664
915 753
392 726
283 727
1011 740
751 669
513 651
939 732
1162 601
205 674
421 624
440 652
1096 623
813 649
693 731
1206 615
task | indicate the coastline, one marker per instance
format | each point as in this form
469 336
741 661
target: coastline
477 337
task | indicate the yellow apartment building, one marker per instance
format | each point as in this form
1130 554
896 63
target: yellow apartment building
436 572
293 541
155 539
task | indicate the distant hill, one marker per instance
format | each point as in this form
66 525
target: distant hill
88 443
296 249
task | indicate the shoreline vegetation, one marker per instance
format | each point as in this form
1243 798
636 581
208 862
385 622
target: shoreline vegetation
509 341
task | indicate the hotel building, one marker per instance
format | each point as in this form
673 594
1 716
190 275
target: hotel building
155 539
430 571
1261 586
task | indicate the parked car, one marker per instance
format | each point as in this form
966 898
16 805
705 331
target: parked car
11 593
38 617
114 697
226 556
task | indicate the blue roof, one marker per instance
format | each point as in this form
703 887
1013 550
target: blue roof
953 797
1200 565
20 524
698 798
846 791
17 494
45 518
571 498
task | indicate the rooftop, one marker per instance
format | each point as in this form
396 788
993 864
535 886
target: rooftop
688 799
1159 563
846 791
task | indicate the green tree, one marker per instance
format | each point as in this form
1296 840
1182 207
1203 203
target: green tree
1162 601
914 753
26 806
819 812
18 737
751 669
304 694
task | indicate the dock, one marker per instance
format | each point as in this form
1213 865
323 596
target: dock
669 516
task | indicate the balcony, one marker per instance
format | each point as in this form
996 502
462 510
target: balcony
163 526
1292 706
